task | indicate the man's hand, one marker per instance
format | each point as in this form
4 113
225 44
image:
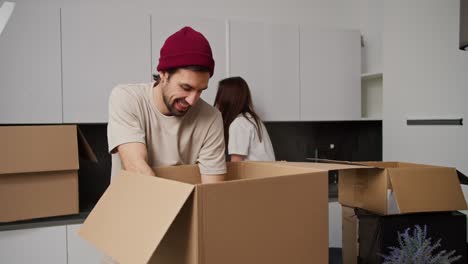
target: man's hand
134 157
213 178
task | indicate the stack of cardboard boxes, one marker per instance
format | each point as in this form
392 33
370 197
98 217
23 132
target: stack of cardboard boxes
39 171
399 197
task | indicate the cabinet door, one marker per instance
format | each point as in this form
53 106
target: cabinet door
267 57
30 84
101 48
213 29
45 245
79 250
330 74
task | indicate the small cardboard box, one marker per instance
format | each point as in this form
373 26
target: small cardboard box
38 171
390 188
264 213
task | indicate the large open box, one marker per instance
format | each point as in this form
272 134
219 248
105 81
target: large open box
38 171
264 213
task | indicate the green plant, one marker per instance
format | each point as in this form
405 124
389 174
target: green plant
418 249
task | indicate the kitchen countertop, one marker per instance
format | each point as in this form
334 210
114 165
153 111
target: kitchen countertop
45 222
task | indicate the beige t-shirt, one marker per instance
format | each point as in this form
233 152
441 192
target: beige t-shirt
196 137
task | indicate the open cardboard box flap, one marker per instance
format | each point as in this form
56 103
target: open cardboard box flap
427 189
148 204
324 166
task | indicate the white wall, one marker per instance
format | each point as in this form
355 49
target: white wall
425 75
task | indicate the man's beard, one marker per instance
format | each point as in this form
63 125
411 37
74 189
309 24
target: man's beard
171 107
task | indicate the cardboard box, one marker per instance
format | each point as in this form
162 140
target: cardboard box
38 171
388 188
350 243
378 233
401 187
264 213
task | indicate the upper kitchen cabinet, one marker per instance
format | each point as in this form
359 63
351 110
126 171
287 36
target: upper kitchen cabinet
267 57
213 29
30 84
101 48
330 74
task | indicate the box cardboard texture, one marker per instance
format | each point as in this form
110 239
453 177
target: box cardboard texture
400 187
264 213
38 171
350 229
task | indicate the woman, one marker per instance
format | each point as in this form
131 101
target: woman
245 135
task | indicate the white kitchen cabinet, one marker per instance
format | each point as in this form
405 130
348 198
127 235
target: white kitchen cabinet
79 250
213 29
267 57
45 245
101 48
30 84
330 74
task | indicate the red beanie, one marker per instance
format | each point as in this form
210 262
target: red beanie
186 47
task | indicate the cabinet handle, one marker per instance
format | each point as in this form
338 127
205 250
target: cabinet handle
441 121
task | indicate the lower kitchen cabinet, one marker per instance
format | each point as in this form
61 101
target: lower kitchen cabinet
79 250
45 245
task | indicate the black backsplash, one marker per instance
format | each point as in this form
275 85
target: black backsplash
352 140
292 141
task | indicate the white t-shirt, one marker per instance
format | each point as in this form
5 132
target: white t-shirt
195 138
244 140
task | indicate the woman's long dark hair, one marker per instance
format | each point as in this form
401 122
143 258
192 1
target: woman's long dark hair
233 98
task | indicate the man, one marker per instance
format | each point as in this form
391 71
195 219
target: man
166 122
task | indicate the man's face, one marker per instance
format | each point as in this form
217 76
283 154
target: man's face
183 89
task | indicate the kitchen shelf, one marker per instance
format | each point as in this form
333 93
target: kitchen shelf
371 119
371 95
371 75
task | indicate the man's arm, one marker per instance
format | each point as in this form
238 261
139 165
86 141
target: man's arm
134 157
235 157
211 159
213 178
